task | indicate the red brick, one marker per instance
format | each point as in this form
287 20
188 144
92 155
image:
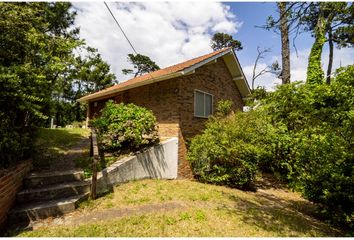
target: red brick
172 102
9 186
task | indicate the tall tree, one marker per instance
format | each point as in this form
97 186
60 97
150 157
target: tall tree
283 23
334 20
89 74
224 40
141 64
36 43
315 72
285 49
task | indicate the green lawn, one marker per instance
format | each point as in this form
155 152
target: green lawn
199 210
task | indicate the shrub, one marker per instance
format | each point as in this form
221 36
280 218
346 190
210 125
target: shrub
314 132
302 132
125 126
229 150
224 108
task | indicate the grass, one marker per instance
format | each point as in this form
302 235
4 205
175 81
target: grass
52 144
201 210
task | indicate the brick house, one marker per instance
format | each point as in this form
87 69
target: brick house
181 96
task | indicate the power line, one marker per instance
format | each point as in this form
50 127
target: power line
120 28
126 37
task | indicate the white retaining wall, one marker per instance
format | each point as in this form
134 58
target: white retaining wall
159 162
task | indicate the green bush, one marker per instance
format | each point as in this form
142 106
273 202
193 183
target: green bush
302 132
125 126
314 138
229 150
224 108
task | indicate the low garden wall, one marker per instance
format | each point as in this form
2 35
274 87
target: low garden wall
10 184
159 161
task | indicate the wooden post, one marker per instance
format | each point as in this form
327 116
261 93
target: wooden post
94 164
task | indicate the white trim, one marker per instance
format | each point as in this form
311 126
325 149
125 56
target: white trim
241 70
212 103
238 78
197 65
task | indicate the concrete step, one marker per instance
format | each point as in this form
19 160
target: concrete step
26 213
40 179
53 192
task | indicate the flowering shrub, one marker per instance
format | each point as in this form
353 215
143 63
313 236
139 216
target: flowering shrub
125 126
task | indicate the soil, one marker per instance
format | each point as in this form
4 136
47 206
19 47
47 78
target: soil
81 217
67 162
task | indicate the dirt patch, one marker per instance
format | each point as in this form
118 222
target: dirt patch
67 162
78 217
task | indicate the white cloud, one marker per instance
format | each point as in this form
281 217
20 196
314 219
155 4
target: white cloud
168 32
298 65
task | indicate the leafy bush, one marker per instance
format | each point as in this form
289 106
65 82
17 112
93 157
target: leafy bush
224 108
127 126
302 132
229 150
314 135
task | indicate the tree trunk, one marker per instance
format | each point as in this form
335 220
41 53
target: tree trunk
254 72
285 49
315 72
78 94
330 59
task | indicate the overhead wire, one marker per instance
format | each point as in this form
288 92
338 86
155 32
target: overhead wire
126 37
121 29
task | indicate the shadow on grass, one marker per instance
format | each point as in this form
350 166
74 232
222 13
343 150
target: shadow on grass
284 217
55 146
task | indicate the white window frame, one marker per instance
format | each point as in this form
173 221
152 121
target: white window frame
195 103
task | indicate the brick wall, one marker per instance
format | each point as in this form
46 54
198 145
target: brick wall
10 184
172 102
214 79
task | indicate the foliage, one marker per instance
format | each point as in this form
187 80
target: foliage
228 151
127 126
256 95
302 132
314 140
334 19
36 42
224 108
141 63
37 69
224 40
339 20
89 73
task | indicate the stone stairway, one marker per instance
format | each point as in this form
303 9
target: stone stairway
48 194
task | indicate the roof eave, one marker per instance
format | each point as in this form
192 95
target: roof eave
195 66
138 84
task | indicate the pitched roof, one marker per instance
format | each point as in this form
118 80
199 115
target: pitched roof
164 73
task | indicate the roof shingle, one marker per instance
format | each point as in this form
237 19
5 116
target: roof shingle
159 73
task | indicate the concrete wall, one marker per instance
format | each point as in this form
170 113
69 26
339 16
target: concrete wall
159 162
10 184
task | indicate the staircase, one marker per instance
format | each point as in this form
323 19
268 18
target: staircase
48 194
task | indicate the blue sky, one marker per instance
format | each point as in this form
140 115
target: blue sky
254 14
172 32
